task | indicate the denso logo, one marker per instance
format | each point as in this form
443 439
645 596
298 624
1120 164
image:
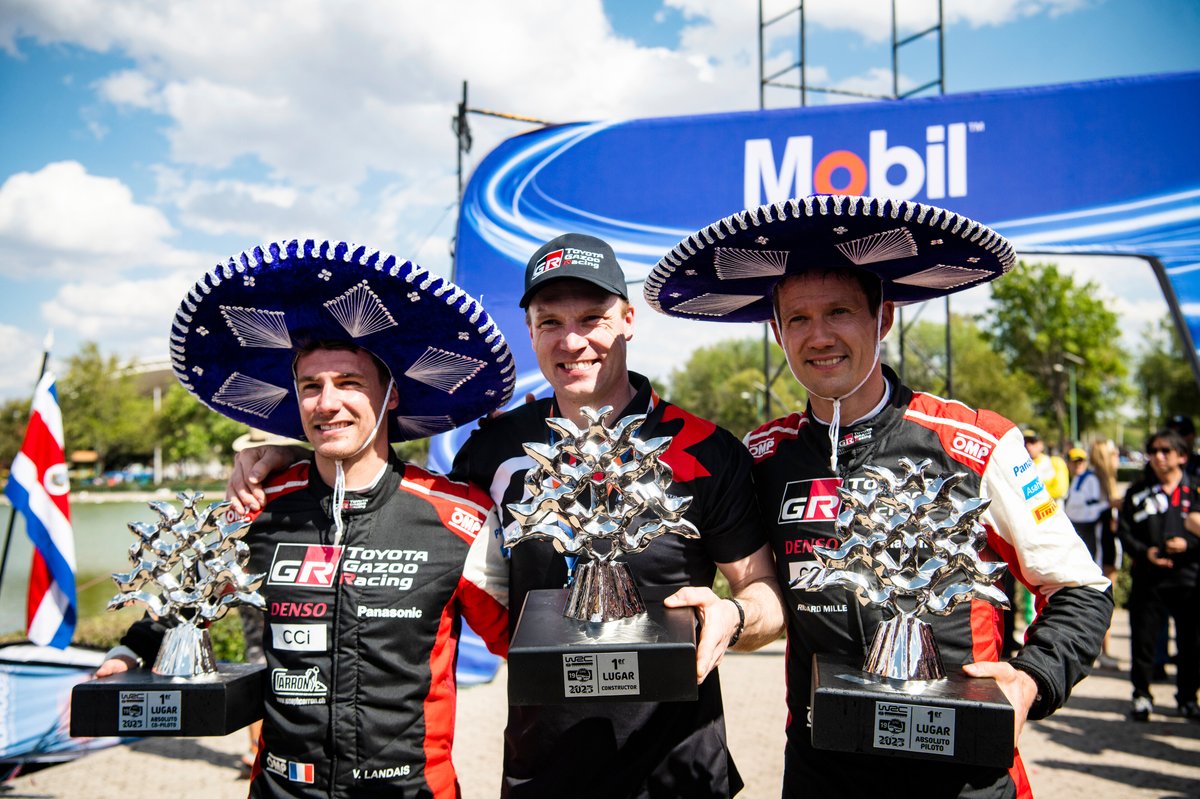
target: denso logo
466 521
942 172
810 501
299 610
970 448
302 564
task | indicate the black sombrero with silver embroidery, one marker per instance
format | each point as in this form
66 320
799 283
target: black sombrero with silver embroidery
235 335
727 271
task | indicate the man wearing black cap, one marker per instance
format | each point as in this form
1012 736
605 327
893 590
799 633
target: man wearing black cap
827 272
580 324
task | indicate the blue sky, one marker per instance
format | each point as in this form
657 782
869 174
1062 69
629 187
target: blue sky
144 141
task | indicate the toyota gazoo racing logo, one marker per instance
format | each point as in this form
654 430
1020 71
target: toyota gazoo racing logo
383 568
810 501
551 260
970 447
304 564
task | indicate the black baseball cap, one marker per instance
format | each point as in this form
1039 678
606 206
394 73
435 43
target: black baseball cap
574 255
1182 424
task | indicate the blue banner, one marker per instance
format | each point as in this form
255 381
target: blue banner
1103 167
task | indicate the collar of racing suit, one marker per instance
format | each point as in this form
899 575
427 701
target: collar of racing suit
359 502
858 442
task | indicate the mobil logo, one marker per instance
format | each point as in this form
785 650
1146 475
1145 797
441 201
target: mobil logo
937 166
304 564
810 501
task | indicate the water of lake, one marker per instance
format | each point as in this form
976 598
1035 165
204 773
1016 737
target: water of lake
102 544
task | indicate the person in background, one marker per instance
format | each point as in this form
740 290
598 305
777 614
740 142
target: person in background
1104 460
1183 425
1087 506
1051 468
1166 565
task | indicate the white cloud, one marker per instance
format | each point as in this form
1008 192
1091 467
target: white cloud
60 218
20 356
129 88
131 316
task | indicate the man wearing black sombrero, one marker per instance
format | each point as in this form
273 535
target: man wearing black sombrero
827 272
370 563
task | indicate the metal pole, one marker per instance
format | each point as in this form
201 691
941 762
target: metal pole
766 346
12 513
895 58
1074 412
949 355
803 62
762 86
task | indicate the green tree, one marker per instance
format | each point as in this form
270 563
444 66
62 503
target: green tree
724 383
1038 317
981 378
102 409
189 431
1166 384
14 420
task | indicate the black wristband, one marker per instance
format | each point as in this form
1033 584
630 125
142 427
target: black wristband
741 621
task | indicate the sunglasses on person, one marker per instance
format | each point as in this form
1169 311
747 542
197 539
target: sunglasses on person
1159 451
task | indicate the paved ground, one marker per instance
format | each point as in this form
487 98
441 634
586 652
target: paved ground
1087 749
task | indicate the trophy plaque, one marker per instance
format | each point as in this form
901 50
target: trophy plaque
188 570
908 547
597 494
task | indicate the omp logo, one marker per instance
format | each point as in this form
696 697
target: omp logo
970 447
551 260
940 172
299 610
810 501
296 772
299 637
760 448
466 521
1044 511
303 564
1033 488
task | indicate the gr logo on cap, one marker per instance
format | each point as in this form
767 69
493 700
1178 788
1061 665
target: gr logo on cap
578 256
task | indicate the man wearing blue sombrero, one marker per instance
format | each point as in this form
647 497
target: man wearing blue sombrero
371 563
827 272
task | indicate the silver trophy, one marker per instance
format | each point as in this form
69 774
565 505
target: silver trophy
590 487
598 494
189 569
909 547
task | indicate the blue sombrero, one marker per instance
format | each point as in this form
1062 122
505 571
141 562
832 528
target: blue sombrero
727 271
234 336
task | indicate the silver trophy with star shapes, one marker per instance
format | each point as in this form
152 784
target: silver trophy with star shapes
598 495
908 546
189 569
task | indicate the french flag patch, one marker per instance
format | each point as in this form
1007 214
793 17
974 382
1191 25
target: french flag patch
300 772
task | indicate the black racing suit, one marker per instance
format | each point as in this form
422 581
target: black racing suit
636 749
797 497
1149 516
361 638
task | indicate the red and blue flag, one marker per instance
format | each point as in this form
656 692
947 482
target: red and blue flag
38 488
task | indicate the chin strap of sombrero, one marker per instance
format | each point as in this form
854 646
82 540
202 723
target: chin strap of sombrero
339 481
835 422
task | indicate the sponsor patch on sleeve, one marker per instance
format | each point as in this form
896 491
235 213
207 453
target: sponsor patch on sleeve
1033 488
1044 511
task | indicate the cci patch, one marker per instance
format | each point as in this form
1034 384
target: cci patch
299 637
304 564
810 501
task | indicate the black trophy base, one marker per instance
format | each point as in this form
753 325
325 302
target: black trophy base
553 660
953 720
141 703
